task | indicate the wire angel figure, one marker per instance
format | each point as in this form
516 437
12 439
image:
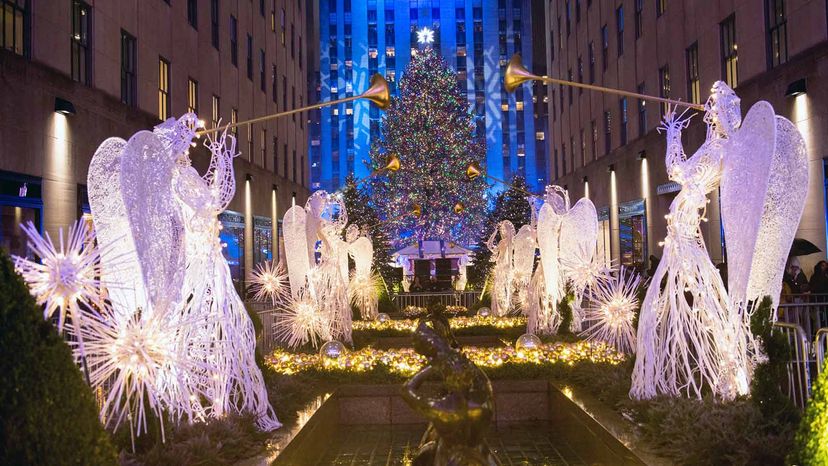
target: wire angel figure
502 253
686 332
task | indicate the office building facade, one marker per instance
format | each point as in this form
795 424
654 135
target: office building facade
606 146
475 37
77 72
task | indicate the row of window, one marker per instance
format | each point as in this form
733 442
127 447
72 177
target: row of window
776 26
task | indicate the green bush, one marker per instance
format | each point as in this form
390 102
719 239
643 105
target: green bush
768 377
811 441
48 414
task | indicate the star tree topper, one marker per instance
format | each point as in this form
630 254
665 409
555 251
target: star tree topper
425 36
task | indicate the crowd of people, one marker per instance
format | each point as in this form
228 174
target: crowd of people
795 281
431 284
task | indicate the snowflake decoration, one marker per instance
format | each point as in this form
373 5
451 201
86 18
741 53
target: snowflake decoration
425 36
66 276
302 321
270 281
611 310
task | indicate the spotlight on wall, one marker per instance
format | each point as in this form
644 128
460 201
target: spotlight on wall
249 177
64 107
796 88
642 155
611 168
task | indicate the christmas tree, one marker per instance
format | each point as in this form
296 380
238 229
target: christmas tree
431 130
511 205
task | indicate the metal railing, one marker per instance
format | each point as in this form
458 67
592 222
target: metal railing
809 311
447 298
820 347
799 380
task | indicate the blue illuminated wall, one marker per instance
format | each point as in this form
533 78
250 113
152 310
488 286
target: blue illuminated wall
476 37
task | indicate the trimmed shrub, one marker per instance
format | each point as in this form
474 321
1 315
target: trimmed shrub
48 414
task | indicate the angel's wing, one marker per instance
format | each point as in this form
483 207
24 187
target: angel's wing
147 169
296 247
579 233
744 188
362 250
120 271
549 225
779 215
524 250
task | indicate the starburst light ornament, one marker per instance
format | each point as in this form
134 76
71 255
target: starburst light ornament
301 321
425 36
65 276
270 282
611 310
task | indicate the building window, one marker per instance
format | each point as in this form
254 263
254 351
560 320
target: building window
192 13
570 88
282 24
605 46
568 18
129 86
192 96
234 119
294 166
273 15
262 7
15 26
250 143
273 83
693 81
163 89
639 19
591 63
664 86
262 69
642 112
555 159
607 132
563 159
81 59
619 24
214 23
234 41
263 145
730 57
275 153
622 108
583 149
285 161
594 127
249 57
292 41
777 32
216 111
661 7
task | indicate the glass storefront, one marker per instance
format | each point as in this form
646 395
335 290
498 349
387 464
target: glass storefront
20 202
262 240
232 235
632 232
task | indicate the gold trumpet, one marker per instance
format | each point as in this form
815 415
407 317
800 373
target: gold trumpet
377 92
517 74
473 171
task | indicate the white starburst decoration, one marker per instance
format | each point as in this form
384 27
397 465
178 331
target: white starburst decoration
611 310
585 274
425 36
270 282
141 363
301 321
363 293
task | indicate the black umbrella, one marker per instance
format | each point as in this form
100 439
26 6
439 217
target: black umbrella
803 247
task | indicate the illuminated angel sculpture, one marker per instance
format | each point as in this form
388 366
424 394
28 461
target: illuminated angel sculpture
523 258
692 334
156 220
566 237
363 288
502 273
322 286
